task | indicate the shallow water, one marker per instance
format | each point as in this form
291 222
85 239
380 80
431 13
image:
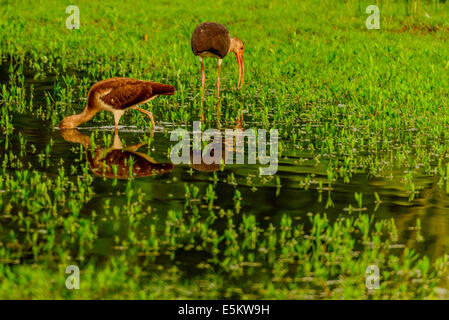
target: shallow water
265 200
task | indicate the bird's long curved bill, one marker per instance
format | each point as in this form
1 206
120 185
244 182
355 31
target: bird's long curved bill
241 63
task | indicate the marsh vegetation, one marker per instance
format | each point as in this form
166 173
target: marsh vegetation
363 122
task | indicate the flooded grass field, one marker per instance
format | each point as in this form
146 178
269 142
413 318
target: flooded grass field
362 179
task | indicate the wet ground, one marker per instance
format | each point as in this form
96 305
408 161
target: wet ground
264 197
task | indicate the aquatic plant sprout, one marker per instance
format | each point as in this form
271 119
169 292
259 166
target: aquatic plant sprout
221 149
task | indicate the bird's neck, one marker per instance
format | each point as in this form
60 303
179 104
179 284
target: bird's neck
75 120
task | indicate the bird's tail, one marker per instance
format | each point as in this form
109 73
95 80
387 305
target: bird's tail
160 88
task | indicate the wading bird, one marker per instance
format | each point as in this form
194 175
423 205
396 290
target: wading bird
116 161
212 40
117 95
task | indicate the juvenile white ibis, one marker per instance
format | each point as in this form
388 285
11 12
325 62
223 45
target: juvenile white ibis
117 95
212 40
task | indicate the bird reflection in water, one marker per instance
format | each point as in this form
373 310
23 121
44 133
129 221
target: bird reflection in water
116 161
222 144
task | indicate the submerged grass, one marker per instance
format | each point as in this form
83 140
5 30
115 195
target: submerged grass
326 260
346 100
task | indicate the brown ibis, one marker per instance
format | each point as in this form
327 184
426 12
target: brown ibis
212 40
117 95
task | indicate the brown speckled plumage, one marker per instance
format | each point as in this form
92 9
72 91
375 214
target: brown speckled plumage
124 92
211 37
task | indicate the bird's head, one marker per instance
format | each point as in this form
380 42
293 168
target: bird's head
238 48
70 122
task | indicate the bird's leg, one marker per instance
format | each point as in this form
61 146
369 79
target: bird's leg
218 79
116 123
203 78
240 121
202 115
203 82
149 114
117 115
218 89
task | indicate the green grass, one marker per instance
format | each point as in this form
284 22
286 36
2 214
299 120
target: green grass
347 101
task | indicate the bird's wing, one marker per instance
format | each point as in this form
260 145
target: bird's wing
221 43
211 37
128 95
